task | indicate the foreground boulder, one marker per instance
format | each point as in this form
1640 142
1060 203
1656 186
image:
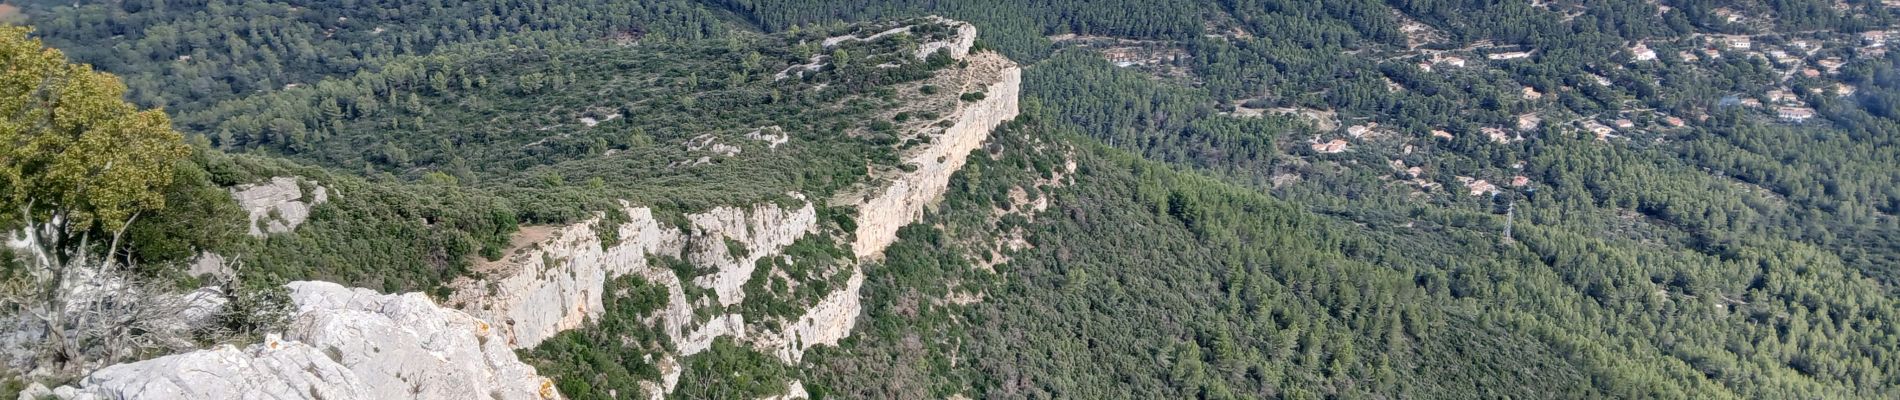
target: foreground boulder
342 343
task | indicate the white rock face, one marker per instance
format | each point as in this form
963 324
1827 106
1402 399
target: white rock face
764 231
826 323
793 390
275 369
959 45
903 202
209 264
342 343
281 196
533 295
771 135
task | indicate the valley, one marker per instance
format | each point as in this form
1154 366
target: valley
952 199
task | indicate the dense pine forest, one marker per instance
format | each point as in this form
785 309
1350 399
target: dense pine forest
1681 199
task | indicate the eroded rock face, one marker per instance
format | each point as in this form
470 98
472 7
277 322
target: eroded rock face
533 295
277 206
904 201
406 346
275 369
557 285
763 231
825 323
342 343
958 45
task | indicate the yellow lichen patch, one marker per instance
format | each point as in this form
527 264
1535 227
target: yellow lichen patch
547 389
481 328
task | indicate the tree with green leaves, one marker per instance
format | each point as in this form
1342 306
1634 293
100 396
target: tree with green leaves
76 155
78 165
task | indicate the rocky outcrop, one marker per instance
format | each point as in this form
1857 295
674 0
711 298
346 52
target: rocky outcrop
277 206
209 264
763 231
826 323
904 200
959 45
341 343
275 369
557 284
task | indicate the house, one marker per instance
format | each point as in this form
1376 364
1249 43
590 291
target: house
1739 43
1831 64
1597 128
1783 58
1122 56
1528 122
1794 114
1811 72
1478 187
1454 61
1623 123
1358 131
1641 52
1782 96
1520 181
1874 38
1441 134
1844 90
1334 146
1688 56
1673 122
1496 134
1511 55
1532 94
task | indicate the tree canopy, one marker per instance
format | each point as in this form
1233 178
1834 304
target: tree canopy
72 149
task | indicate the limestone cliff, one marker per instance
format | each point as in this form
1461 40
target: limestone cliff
903 201
555 283
555 278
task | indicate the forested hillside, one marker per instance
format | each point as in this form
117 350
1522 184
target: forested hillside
1201 199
